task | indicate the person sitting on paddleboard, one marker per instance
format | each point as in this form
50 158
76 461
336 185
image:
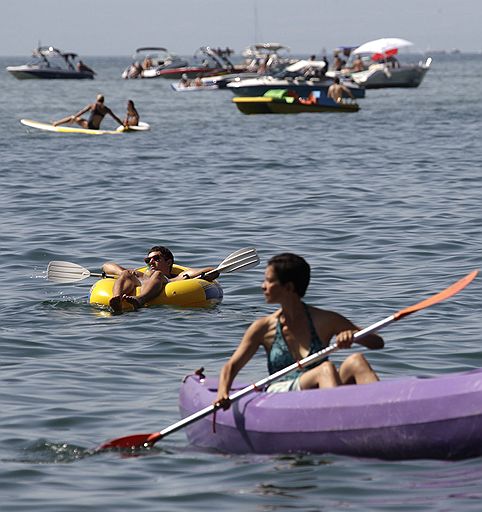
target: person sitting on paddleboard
152 281
98 111
295 331
132 116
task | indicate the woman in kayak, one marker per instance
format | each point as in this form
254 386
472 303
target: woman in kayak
295 331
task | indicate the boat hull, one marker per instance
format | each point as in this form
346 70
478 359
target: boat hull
301 87
27 73
190 72
409 418
265 105
380 76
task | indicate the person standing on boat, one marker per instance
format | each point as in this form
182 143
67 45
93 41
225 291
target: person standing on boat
151 281
132 116
336 91
98 111
295 331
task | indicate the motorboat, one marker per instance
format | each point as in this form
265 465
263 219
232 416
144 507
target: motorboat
209 83
259 60
49 62
284 101
303 77
266 58
206 61
149 61
380 67
386 74
403 418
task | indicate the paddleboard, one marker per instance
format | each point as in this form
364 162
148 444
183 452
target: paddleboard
141 127
77 129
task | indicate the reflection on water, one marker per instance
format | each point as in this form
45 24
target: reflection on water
384 205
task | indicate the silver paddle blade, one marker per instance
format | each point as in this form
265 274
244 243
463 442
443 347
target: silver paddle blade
241 253
239 263
66 272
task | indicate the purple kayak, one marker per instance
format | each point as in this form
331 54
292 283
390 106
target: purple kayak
406 418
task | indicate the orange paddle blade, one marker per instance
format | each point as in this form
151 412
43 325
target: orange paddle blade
439 297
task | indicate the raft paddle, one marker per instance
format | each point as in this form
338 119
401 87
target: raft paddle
136 441
244 258
66 272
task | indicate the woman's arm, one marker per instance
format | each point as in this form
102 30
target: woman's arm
252 339
329 324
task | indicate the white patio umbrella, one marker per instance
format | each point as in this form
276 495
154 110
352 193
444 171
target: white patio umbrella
383 47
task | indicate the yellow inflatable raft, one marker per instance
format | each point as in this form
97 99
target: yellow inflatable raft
186 293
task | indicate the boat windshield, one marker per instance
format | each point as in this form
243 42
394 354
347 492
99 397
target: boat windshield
50 57
271 56
302 68
157 55
210 57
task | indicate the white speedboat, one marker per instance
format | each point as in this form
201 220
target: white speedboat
382 68
384 74
150 61
266 58
207 61
49 62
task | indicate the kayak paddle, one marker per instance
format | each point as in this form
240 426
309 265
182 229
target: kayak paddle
66 272
136 441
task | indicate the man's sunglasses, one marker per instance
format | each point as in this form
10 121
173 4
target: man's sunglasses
156 257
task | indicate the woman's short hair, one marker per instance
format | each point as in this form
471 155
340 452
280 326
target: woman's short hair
291 268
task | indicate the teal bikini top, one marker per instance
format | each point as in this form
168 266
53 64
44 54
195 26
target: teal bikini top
280 357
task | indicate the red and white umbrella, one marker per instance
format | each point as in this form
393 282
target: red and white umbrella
382 48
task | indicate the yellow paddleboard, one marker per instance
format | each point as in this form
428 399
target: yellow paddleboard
71 129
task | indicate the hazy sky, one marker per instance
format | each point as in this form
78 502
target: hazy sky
117 27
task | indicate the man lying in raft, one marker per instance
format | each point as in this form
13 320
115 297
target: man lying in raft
159 261
293 332
98 111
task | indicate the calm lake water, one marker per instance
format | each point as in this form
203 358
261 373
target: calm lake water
385 204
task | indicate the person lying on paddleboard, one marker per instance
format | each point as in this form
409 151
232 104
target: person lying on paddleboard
295 331
132 116
159 263
98 111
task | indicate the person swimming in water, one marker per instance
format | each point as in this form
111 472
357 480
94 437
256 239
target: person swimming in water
98 111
